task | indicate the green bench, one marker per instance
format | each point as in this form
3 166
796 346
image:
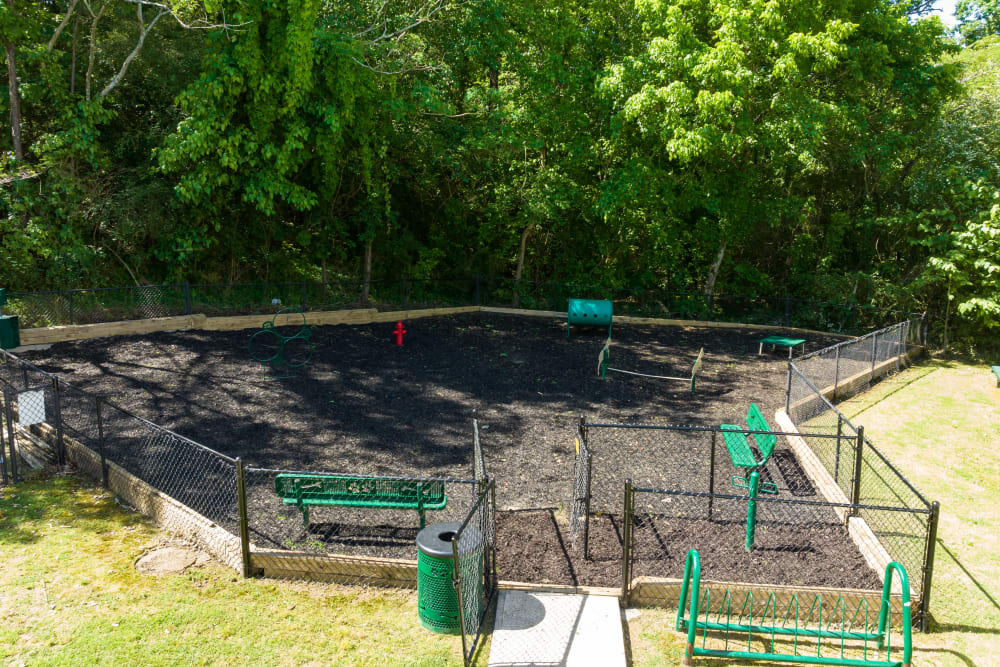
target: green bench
738 444
782 341
996 371
304 491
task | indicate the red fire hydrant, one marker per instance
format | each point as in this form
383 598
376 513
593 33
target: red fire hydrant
399 331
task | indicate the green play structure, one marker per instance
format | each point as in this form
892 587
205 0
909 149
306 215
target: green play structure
589 313
792 632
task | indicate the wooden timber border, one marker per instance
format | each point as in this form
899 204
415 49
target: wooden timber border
199 322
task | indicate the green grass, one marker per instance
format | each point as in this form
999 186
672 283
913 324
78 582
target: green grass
71 596
940 424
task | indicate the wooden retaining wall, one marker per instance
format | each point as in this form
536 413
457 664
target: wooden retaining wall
49 335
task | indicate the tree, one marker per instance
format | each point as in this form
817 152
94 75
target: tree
755 106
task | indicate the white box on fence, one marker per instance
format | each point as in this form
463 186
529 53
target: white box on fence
30 407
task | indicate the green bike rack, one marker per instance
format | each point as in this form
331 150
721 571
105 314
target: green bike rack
768 623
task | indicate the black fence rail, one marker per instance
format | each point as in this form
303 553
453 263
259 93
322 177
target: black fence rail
93 305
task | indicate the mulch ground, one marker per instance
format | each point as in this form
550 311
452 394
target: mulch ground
366 406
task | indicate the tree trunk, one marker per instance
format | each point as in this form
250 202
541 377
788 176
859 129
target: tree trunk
713 272
366 272
15 99
322 269
72 67
516 300
947 313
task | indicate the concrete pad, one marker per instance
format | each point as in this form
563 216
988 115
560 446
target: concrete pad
553 629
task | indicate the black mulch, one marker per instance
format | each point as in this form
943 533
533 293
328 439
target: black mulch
366 406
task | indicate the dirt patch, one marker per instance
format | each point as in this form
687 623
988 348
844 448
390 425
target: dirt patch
169 559
534 547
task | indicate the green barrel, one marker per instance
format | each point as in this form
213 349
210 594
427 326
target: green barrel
589 312
10 335
437 600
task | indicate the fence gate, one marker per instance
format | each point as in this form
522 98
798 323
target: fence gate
24 412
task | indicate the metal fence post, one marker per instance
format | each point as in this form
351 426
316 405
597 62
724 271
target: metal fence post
627 543
100 444
858 458
874 350
836 373
187 298
241 503
900 344
60 445
928 570
3 448
711 474
303 299
477 289
836 460
456 581
9 410
788 390
70 297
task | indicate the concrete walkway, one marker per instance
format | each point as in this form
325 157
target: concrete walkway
556 629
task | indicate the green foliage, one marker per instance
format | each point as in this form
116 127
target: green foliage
820 149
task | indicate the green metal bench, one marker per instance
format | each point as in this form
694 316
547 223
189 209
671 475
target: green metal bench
793 632
996 371
304 491
738 444
782 341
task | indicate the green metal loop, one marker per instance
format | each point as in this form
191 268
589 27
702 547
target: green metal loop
268 339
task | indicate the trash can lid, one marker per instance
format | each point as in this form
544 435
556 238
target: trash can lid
435 540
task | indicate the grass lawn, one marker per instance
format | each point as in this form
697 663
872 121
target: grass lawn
940 424
72 596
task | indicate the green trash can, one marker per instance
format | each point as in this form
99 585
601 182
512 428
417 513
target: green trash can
437 599
10 335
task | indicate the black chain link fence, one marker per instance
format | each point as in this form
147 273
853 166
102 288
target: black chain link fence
849 368
579 506
239 513
86 306
475 574
864 476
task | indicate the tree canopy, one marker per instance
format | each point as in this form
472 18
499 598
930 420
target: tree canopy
836 149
